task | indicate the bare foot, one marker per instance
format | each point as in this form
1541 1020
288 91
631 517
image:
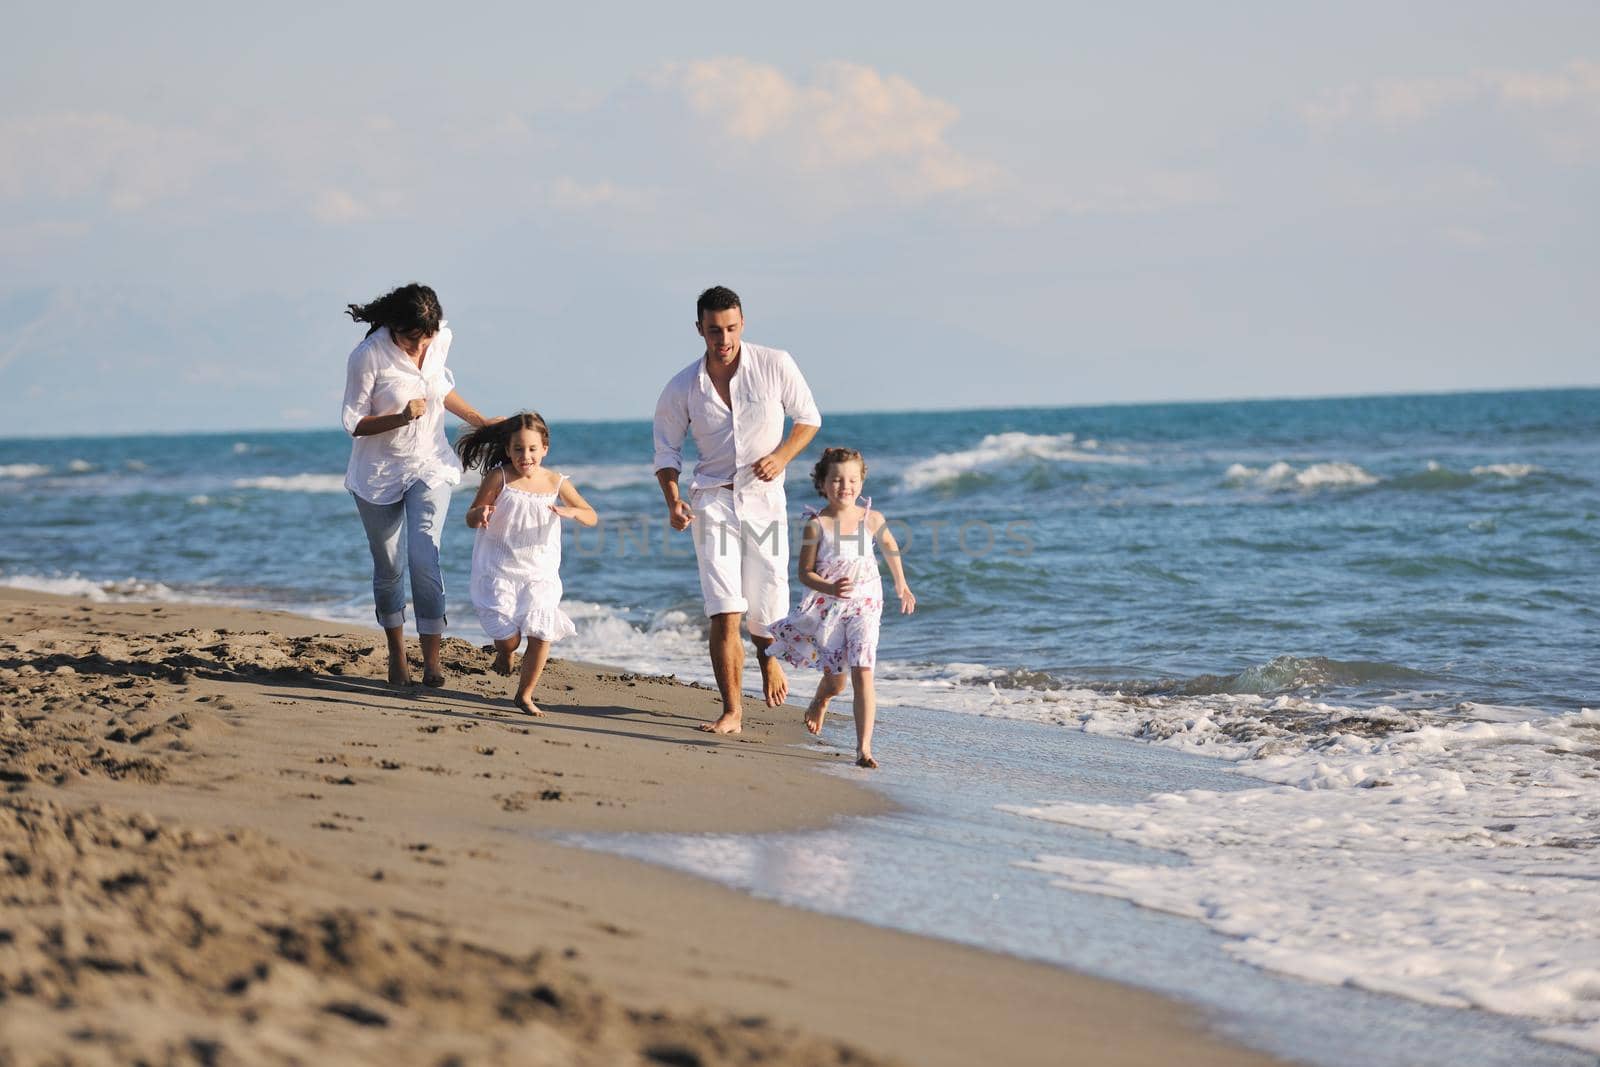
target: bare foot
730 722
864 759
399 673
774 681
529 707
502 661
816 711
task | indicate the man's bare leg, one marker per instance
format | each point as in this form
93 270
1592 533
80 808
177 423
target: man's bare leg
504 649
533 662
727 662
830 686
774 683
866 708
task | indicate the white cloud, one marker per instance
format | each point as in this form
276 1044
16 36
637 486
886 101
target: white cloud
1389 102
128 164
570 193
1578 82
849 118
1398 102
752 99
1153 191
1465 236
337 207
1394 103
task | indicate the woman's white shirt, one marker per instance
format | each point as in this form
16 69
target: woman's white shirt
380 379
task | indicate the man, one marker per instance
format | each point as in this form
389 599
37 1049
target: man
734 399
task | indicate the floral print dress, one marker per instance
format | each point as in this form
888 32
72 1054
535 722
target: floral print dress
829 633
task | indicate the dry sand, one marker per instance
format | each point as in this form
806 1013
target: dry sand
226 840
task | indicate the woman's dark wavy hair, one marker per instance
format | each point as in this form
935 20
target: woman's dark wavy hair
485 447
830 456
411 308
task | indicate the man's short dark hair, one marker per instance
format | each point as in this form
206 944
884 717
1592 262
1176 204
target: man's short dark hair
716 298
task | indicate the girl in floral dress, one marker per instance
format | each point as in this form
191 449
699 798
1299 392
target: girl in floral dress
835 629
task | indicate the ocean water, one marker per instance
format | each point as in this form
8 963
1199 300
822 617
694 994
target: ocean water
1368 627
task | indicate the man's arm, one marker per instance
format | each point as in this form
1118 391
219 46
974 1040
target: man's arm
799 406
671 426
679 514
770 466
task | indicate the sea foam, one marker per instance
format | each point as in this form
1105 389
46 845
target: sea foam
294 483
98 591
603 476
1281 475
1446 856
1000 451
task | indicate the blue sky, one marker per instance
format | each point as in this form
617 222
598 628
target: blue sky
979 205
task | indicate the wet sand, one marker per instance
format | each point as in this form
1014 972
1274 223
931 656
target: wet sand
228 840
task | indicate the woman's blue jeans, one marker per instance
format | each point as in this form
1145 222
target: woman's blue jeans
406 533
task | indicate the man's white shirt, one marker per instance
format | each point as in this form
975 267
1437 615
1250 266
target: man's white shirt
766 387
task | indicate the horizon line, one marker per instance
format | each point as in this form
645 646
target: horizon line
978 409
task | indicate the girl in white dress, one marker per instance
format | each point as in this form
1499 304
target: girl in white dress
516 557
835 629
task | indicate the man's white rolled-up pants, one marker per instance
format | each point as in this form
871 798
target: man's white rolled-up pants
741 542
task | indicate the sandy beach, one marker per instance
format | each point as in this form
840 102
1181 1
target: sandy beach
228 841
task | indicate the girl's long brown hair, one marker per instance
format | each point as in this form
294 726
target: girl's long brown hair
485 447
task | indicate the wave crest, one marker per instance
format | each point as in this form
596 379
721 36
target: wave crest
1281 476
294 483
98 591
998 452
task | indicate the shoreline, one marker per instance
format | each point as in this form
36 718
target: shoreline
272 737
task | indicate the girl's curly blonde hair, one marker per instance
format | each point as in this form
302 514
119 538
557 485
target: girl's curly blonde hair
830 456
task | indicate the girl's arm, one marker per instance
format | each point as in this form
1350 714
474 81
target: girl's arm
891 556
457 405
577 508
483 504
808 563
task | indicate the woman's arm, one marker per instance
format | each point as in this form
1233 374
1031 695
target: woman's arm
360 377
483 503
372 424
891 556
457 405
577 508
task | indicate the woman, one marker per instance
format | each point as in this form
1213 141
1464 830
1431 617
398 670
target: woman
401 466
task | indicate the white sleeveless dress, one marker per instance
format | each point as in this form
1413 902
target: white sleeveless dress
829 633
516 567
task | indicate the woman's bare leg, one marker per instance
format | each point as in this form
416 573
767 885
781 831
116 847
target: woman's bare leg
830 686
532 666
866 708
399 670
432 670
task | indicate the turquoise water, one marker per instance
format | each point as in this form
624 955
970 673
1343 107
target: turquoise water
1419 550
